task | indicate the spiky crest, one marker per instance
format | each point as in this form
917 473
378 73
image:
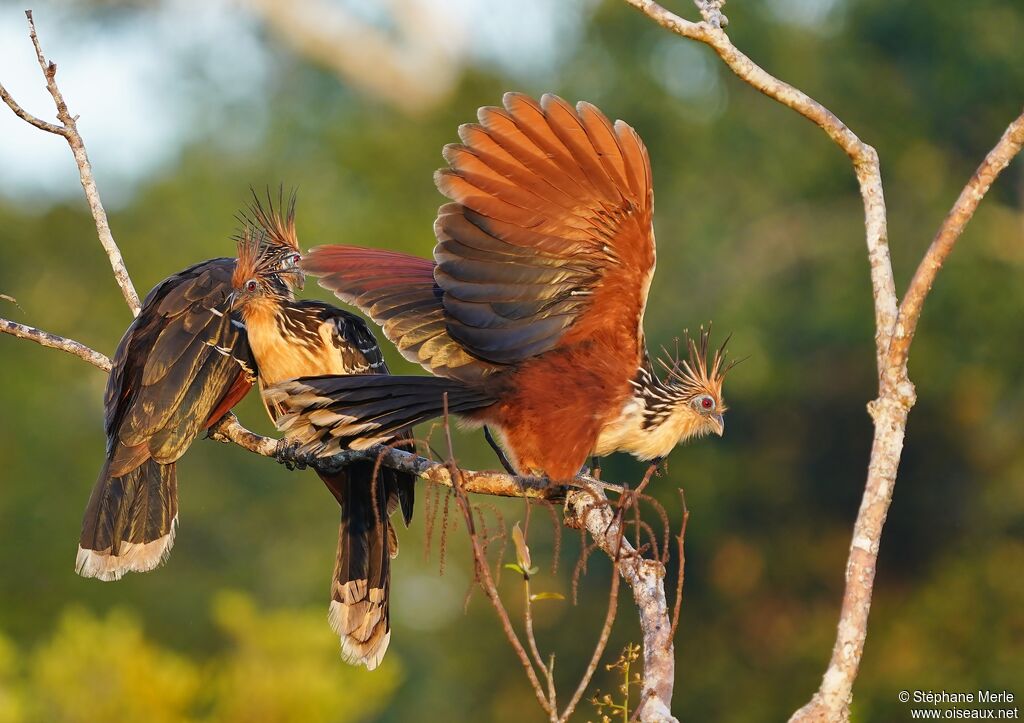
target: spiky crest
257 259
276 220
694 375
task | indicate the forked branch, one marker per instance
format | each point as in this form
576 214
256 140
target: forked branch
945 238
68 128
894 330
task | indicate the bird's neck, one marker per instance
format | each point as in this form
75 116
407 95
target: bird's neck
652 421
284 342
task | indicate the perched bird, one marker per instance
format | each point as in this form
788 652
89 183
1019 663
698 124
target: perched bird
530 314
290 339
180 366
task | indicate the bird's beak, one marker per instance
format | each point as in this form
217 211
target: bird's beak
717 424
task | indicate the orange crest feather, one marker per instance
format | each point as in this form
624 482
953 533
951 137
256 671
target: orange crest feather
257 259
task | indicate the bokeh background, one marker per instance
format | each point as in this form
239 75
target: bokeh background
184 105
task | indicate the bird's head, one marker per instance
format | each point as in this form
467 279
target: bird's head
276 221
258 274
694 386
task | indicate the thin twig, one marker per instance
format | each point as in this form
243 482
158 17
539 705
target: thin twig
483 574
45 338
69 130
681 577
646 579
531 640
602 640
28 117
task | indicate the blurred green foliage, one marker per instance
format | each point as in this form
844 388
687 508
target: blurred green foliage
276 667
759 228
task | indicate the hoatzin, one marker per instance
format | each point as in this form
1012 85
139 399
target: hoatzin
531 312
180 366
292 339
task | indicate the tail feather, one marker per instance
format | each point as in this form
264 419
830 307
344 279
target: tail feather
130 521
330 413
359 610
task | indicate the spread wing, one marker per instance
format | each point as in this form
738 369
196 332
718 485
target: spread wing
398 292
169 376
549 239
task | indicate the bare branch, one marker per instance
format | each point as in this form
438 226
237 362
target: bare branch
496 484
894 329
953 225
69 130
646 578
53 341
28 117
864 157
890 411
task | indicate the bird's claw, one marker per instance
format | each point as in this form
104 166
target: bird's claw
287 453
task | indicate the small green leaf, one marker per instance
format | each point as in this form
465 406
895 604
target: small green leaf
515 566
547 596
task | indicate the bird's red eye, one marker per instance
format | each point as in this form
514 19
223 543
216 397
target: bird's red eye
251 285
707 403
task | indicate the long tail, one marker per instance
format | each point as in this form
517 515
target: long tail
129 522
360 588
330 413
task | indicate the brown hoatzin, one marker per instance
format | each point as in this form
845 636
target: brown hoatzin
291 339
531 312
180 366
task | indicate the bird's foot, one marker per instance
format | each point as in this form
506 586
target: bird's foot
288 454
